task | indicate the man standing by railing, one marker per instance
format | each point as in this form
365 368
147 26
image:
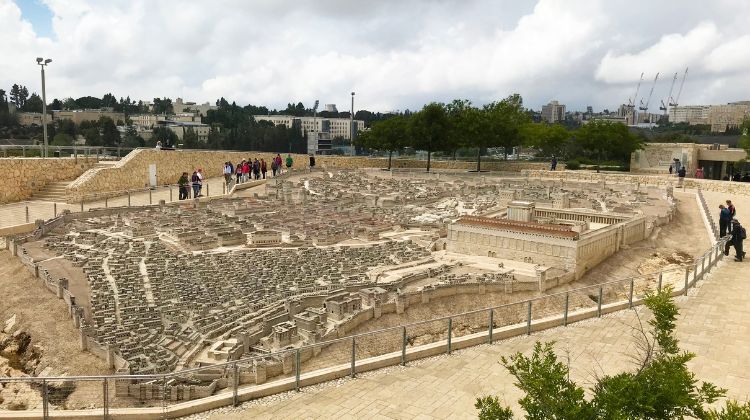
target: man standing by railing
739 234
183 183
725 218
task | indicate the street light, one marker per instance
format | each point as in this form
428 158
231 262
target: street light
43 63
351 127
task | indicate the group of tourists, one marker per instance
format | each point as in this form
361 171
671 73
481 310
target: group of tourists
195 180
729 225
254 169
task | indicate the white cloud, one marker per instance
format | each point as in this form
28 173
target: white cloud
394 54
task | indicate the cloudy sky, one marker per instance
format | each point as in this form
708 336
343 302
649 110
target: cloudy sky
395 54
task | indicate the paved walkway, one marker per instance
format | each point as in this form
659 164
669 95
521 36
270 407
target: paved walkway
15 213
713 324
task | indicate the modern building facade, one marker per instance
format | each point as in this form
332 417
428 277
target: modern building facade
80 115
337 127
553 112
719 117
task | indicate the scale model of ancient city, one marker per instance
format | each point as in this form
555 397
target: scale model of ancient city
322 255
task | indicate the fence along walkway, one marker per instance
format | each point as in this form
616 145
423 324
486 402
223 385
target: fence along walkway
500 322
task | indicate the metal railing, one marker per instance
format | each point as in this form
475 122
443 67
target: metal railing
231 382
85 152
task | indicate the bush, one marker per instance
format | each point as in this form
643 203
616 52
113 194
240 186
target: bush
573 165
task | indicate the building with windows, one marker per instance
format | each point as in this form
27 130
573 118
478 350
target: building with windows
28 119
180 128
80 115
719 117
336 127
553 112
179 107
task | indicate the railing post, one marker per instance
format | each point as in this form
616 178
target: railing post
695 272
687 276
354 357
23 152
128 198
82 205
450 333
207 194
630 296
658 287
105 402
491 326
106 202
45 400
703 266
297 369
403 346
528 319
75 153
54 209
27 214
149 196
565 312
235 388
170 194
599 304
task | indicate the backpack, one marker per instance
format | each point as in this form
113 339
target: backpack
194 178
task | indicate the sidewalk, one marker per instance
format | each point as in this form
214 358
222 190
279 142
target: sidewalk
713 324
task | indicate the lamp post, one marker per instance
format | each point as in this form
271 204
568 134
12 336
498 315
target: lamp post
351 127
43 63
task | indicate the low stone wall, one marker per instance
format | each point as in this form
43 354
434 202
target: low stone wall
132 172
728 187
22 177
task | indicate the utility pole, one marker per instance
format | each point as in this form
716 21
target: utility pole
42 62
351 127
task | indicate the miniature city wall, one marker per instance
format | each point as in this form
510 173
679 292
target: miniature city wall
728 187
132 171
24 176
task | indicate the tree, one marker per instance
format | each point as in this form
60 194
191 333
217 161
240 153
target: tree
164 135
505 119
56 105
429 129
389 135
33 104
109 100
110 134
131 139
70 104
92 136
548 139
18 95
62 139
190 140
608 139
88 102
463 130
163 106
661 386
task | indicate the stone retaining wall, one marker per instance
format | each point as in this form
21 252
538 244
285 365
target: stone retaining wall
132 171
728 187
22 177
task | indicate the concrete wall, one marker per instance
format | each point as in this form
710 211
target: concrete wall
24 176
132 171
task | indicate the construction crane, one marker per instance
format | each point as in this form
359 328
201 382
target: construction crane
651 92
679 92
631 104
664 107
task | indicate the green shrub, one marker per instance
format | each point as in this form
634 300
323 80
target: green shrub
573 165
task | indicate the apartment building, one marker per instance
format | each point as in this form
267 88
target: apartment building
553 112
337 127
80 115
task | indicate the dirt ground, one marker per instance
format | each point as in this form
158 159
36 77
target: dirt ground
46 319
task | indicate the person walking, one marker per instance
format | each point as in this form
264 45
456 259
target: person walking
699 173
256 169
278 163
289 162
553 164
312 161
245 171
732 210
200 182
738 236
725 219
671 168
228 170
238 172
263 167
195 181
681 174
274 167
183 184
